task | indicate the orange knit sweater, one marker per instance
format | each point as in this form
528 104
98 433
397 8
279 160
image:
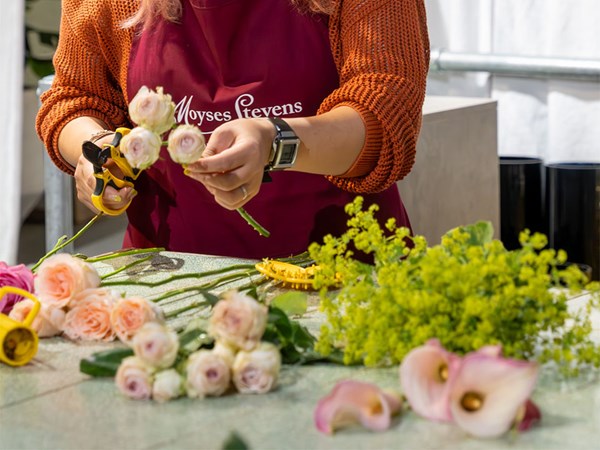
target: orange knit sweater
380 48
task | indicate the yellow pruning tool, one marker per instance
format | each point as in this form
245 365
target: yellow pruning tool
99 157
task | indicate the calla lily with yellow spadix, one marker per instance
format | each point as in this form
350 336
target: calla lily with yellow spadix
424 376
353 402
488 393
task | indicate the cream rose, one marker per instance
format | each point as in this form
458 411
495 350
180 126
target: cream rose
207 374
63 276
186 144
156 345
238 320
134 379
153 110
141 147
168 385
49 321
89 317
129 314
256 372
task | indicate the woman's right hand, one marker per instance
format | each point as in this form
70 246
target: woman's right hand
85 183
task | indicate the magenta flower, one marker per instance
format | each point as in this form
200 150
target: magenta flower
17 276
424 375
356 402
488 393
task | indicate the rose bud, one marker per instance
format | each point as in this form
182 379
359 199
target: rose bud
141 147
153 110
48 323
167 385
156 345
134 379
186 144
207 374
256 371
130 314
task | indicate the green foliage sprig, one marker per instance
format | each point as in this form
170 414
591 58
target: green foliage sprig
468 291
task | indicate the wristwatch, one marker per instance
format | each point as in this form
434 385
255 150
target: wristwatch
285 146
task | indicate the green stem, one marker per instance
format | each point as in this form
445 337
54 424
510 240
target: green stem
124 252
253 223
186 308
126 266
61 243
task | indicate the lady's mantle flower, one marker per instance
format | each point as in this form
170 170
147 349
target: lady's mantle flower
141 147
16 276
156 345
153 110
256 371
134 379
186 144
207 374
61 277
238 320
130 314
356 402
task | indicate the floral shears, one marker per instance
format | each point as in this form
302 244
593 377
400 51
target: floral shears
99 156
18 341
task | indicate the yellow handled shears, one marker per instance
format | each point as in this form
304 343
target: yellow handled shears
99 156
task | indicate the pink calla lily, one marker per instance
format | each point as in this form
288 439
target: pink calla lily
487 393
424 376
356 402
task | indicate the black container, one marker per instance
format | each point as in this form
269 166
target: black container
573 199
521 198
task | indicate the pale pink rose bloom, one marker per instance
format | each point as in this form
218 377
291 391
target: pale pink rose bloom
48 322
141 147
488 393
156 344
168 384
186 144
256 371
207 374
225 351
353 402
134 379
61 277
238 320
425 379
89 316
153 110
129 314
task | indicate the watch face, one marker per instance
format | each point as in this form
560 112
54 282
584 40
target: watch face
288 153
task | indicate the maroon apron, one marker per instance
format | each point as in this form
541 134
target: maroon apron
229 59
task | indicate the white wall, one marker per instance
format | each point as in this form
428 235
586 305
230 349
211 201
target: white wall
556 120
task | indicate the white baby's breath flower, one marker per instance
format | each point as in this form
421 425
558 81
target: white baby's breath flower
153 110
141 147
186 144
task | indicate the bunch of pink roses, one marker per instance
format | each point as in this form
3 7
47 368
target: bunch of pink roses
161 370
482 392
74 304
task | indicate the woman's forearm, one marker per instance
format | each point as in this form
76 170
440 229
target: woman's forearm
74 133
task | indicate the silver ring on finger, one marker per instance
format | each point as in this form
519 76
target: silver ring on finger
244 191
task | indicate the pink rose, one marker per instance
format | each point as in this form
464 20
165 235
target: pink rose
207 374
156 345
256 372
16 276
238 320
141 147
134 379
186 144
153 110
89 317
49 321
63 276
129 314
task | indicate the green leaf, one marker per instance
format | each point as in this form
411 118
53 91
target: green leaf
192 339
292 302
235 442
105 363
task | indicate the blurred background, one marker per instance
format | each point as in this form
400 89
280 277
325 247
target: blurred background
536 61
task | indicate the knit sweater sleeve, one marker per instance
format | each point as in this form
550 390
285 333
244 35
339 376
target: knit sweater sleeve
90 71
381 49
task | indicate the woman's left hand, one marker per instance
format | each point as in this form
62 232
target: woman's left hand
232 165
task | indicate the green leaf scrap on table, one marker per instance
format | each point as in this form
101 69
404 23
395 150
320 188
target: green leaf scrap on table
468 291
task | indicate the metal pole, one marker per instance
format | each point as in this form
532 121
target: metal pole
517 66
58 194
